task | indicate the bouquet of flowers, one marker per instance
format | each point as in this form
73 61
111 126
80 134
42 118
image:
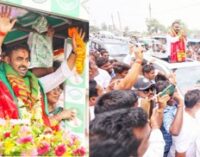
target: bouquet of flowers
37 140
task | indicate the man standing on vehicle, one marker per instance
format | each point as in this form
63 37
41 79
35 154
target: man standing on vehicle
176 47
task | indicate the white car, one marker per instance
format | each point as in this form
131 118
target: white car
117 48
187 73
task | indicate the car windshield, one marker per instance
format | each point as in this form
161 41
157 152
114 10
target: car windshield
188 78
116 48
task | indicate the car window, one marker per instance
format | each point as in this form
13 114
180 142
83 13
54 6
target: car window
188 78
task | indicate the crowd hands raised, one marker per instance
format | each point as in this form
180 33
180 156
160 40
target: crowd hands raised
24 95
133 114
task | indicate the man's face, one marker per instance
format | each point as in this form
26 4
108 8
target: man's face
93 70
108 67
176 27
105 55
19 60
147 93
100 91
150 75
124 73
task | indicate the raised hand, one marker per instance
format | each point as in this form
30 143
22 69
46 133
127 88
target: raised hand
6 24
80 36
138 53
162 100
68 114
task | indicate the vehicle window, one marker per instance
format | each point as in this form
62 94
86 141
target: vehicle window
188 79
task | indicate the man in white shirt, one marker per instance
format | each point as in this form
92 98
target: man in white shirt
99 75
184 145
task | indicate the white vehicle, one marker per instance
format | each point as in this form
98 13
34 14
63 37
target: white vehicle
187 73
116 48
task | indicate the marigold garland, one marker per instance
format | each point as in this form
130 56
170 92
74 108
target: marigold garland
80 50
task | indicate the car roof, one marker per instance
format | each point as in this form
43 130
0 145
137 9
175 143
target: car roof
193 40
171 66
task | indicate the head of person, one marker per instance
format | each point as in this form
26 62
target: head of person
94 54
124 131
104 64
95 91
176 26
104 54
113 61
121 69
148 71
160 86
192 99
160 77
18 57
189 53
93 69
198 55
145 88
54 95
116 99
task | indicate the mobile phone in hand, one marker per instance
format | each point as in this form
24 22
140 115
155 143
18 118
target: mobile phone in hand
168 90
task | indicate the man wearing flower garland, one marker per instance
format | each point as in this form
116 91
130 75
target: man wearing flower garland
21 94
176 40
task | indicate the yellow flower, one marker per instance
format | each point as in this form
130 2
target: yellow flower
80 50
8 145
67 153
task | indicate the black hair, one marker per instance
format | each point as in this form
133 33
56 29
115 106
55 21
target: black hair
56 65
112 132
147 68
161 85
192 97
103 51
113 61
10 50
116 99
93 88
101 61
176 22
160 77
119 67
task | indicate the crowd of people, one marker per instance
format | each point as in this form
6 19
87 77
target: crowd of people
132 112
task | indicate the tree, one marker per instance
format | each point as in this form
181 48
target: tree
154 26
94 29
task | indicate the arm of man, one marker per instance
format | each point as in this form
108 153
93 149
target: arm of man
178 120
54 79
156 140
130 79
